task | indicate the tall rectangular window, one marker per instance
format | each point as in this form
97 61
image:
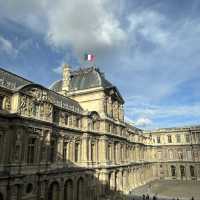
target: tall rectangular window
64 151
66 119
187 138
78 122
76 152
52 150
178 138
158 139
92 151
109 152
169 138
115 152
31 150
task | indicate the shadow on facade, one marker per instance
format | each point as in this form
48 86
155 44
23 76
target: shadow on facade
60 181
36 170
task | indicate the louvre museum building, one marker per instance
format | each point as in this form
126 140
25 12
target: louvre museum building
70 141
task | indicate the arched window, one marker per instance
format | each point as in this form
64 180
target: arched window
68 190
182 169
80 189
192 172
173 170
54 191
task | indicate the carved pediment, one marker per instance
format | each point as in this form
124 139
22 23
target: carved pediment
37 93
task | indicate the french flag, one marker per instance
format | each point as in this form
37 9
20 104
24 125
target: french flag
89 57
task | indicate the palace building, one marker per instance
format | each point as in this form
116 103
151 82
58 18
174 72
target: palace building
71 142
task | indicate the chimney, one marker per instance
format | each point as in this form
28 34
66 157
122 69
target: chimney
66 79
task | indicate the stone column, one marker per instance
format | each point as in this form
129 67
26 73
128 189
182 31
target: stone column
103 178
84 146
124 181
103 150
112 182
135 178
59 156
119 181
118 153
97 152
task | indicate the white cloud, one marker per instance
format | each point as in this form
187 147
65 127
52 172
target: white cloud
148 23
140 109
86 25
143 122
58 70
6 46
83 25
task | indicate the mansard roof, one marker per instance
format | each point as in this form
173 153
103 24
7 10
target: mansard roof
133 128
85 78
11 81
16 83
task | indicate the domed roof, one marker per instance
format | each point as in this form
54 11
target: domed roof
84 79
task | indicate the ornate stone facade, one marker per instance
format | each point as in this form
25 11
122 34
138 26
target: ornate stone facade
178 152
76 145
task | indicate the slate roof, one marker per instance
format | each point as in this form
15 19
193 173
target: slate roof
15 83
11 81
84 79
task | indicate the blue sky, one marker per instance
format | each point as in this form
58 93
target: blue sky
149 49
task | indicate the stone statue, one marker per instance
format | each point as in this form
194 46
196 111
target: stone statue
7 103
23 104
62 117
49 110
30 107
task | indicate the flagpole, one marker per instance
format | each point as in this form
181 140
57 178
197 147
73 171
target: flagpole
94 59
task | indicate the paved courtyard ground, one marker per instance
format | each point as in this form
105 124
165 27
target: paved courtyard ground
170 189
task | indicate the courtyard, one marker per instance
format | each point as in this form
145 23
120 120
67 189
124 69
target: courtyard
165 189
